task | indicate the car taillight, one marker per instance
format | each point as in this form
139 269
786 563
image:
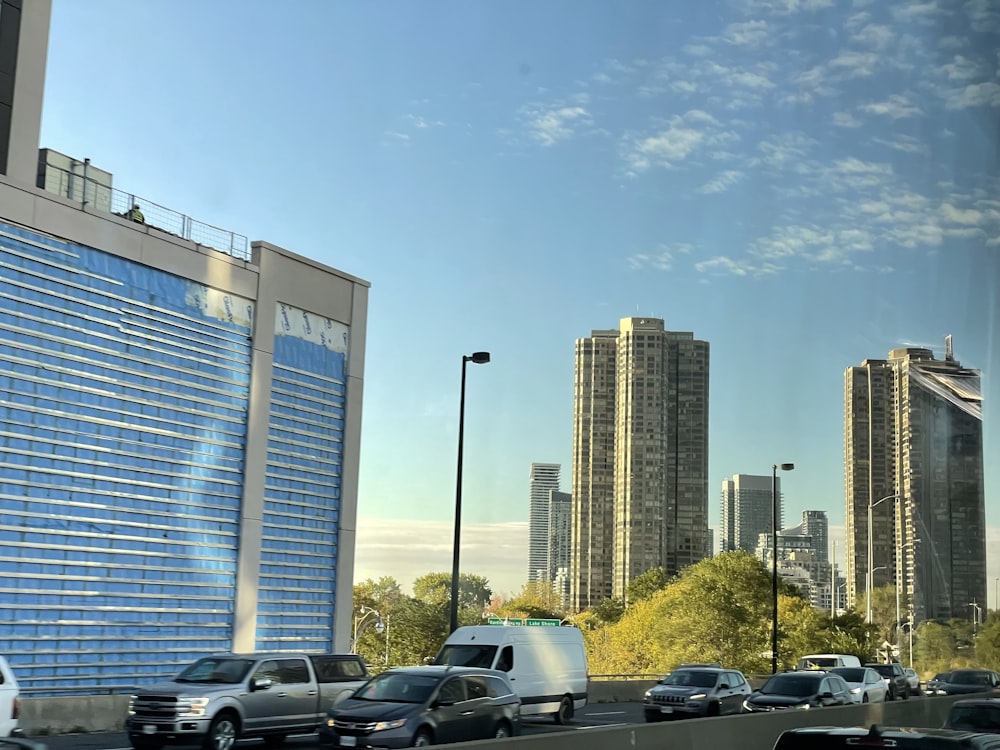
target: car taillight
15 709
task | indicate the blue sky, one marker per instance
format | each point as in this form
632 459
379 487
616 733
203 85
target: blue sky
802 183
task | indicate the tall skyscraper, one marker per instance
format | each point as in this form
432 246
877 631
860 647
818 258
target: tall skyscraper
816 524
542 481
913 451
746 510
640 456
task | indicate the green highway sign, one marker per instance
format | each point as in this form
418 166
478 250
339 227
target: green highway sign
546 623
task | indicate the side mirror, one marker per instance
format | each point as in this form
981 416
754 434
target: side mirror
827 695
443 702
261 683
724 686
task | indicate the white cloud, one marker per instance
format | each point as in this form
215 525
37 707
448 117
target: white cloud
905 143
855 64
550 125
749 34
960 215
896 107
873 35
846 120
916 12
722 182
786 7
396 135
962 69
780 151
419 122
408 549
663 260
684 135
985 94
724 265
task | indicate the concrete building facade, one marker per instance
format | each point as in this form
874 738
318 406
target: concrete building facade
913 450
640 456
180 430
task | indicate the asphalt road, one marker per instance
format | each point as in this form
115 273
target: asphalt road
596 715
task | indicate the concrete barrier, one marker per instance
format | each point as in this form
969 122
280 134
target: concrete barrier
106 713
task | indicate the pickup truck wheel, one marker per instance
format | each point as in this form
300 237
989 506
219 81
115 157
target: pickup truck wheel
502 730
422 739
222 733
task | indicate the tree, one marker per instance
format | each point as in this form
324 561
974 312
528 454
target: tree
988 642
644 586
473 591
609 611
538 599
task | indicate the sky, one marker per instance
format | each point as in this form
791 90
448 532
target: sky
802 183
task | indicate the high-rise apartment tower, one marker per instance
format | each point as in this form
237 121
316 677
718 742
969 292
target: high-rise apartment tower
746 510
543 480
913 453
640 456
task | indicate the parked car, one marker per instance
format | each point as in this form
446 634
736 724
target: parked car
812 689
830 738
975 715
696 691
912 681
867 685
430 705
933 685
894 678
10 701
220 699
968 681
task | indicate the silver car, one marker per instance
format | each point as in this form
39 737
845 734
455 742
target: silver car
867 685
696 691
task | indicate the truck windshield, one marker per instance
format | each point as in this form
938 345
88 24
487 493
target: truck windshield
213 670
467 656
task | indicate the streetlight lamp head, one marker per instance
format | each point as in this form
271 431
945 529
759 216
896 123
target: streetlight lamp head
479 358
787 467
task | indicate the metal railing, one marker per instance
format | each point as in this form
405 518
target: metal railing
92 194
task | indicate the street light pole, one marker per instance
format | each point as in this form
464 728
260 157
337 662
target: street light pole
477 358
774 562
871 554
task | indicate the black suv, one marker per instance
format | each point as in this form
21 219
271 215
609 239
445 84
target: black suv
696 690
895 679
830 738
791 690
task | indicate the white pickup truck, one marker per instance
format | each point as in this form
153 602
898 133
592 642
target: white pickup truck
227 697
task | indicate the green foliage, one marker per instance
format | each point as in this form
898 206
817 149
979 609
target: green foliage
988 642
645 586
537 599
473 591
609 611
847 633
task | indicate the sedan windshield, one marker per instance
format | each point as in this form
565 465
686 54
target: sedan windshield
690 677
851 674
397 688
214 670
798 686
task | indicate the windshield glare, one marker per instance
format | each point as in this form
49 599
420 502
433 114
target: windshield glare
851 674
798 686
467 656
397 688
691 678
216 670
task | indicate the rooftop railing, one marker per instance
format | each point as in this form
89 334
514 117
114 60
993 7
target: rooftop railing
94 195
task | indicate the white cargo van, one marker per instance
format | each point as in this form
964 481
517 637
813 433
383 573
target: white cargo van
547 666
828 661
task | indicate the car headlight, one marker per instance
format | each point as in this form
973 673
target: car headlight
803 705
856 690
191 708
647 695
747 706
382 725
697 697
330 722
131 705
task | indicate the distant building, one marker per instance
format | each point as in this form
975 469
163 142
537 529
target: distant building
542 481
799 559
746 510
560 533
640 457
711 542
913 447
